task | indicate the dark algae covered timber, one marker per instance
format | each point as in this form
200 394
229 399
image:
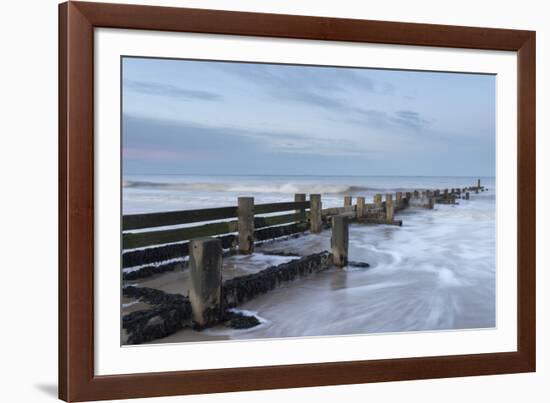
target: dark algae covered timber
241 289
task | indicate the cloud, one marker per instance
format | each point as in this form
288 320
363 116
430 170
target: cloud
160 134
155 138
293 77
171 91
393 120
312 98
410 120
388 88
311 85
156 145
370 118
329 88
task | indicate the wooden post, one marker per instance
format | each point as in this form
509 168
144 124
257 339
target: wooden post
415 193
205 262
478 183
339 240
300 197
431 202
398 197
467 197
389 207
377 200
361 208
446 192
246 224
315 213
347 201
408 195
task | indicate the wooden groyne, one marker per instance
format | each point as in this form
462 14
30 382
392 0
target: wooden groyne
211 299
159 242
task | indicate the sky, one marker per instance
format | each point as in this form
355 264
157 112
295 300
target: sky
212 118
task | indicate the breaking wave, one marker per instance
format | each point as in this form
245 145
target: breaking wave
324 188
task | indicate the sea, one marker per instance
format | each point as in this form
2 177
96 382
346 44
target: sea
435 272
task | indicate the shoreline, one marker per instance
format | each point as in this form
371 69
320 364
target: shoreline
427 293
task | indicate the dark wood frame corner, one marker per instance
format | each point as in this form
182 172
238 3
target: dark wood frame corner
77 21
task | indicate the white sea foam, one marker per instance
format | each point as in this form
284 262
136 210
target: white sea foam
129 304
231 187
448 278
156 264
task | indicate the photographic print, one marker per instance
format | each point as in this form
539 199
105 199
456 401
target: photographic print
253 201
274 201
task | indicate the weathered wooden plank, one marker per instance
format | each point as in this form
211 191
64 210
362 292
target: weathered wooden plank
246 224
165 252
315 213
360 206
338 210
268 233
375 217
151 220
161 253
141 239
205 266
450 200
139 221
339 241
383 221
299 198
262 222
279 207
349 214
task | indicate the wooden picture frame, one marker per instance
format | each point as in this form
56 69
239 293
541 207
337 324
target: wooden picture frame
77 21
